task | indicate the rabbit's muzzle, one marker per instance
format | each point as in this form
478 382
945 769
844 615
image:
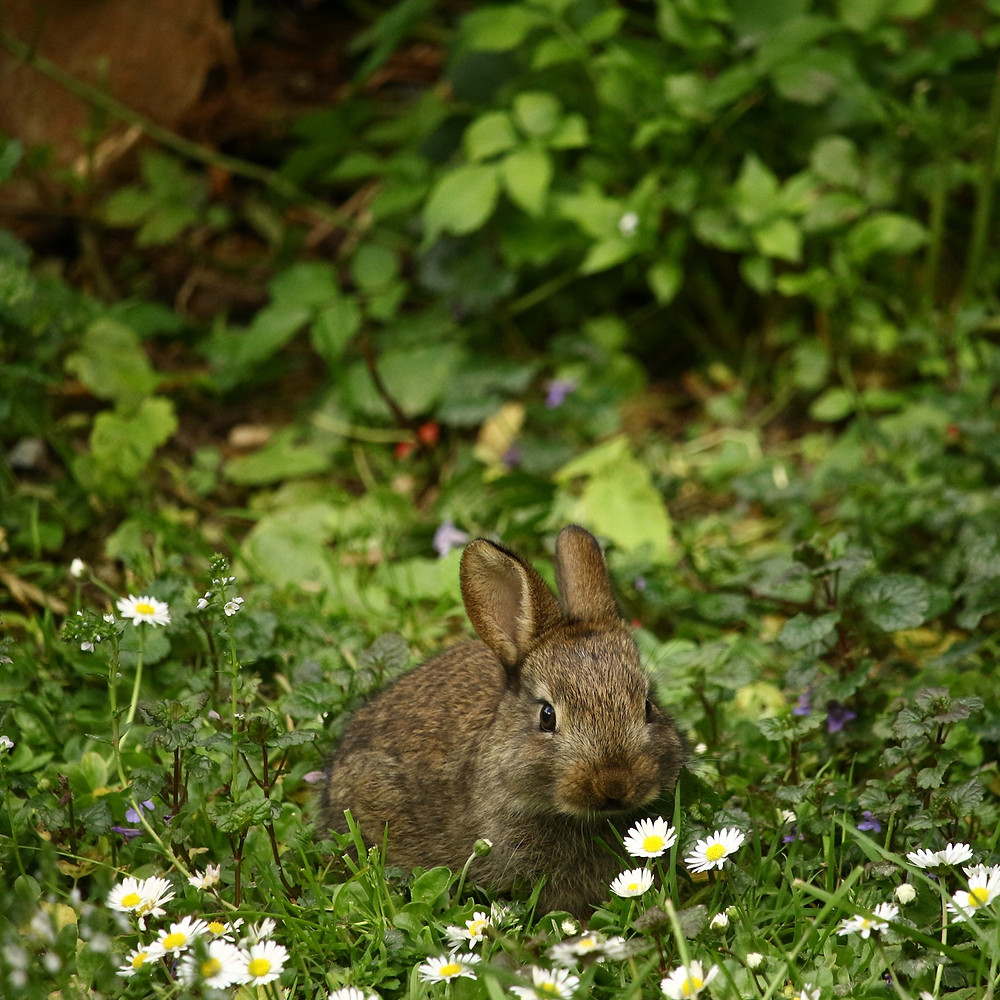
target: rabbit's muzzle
608 787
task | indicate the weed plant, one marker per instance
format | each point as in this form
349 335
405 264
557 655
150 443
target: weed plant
804 527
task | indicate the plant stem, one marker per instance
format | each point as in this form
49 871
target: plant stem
138 677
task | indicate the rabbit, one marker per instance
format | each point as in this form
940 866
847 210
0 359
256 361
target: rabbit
532 737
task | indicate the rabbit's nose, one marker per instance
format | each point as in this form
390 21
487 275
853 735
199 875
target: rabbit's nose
613 788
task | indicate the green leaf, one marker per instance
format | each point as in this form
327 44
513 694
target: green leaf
306 284
335 324
571 133
527 174
538 113
780 238
271 328
832 405
429 885
373 267
112 364
893 601
489 135
834 159
885 232
499 29
804 630
755 193
618 500
281 458
665 278
607 253
461 201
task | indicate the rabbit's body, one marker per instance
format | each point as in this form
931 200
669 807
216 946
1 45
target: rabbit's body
532 738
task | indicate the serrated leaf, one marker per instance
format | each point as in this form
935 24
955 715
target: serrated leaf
804 630
894 601
112 363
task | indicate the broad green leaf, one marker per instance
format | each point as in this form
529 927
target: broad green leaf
755 193
885 232
527 174
834 159
489 135
780 238
272 328
618 500
112 364
571 133
281 458
373 267
306 284
607 253
893 601
537 113
427 886
804 630
335 324
499 29
665 278
461 201
834 404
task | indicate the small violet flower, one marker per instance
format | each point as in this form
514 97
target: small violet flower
869 824
837 716
556 391
448 537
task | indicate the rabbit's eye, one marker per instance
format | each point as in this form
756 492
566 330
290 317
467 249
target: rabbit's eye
649 710
547 718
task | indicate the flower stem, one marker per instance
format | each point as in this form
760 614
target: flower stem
138 678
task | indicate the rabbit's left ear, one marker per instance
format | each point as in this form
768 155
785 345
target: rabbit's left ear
582 577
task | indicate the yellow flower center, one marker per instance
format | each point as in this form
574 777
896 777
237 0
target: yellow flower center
633 887
476 927
654 842
691 986
142 608
217 927
140 959
131 900
978 897
258 967
175 940
449 969
548 989
586 944
715 852
210 967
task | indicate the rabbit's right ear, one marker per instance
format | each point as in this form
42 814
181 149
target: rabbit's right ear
508 603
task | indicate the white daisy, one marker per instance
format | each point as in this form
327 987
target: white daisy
222 965
351 993
444 968
593 946
258 932
754 960
687 981
143 897
633 882
220 929
905 893
712 851
866 926
264 962
650 838
719 922
924 858
209 878
983 889
181 935
139 958
473 932
983 871
144 609
954 854
548 983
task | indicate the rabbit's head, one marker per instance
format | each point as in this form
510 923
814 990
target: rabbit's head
577 731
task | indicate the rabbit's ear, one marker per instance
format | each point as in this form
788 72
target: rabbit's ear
582 577
508 603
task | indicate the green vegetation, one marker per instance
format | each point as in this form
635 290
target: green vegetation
710 278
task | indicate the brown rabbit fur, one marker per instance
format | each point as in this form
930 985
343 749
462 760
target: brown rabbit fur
532 737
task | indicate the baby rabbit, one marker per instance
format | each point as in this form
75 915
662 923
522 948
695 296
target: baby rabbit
532 737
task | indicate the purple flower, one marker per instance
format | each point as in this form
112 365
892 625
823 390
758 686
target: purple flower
804 706
639 583
557 389
448 537
793 835
869 824
837 716
131 816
